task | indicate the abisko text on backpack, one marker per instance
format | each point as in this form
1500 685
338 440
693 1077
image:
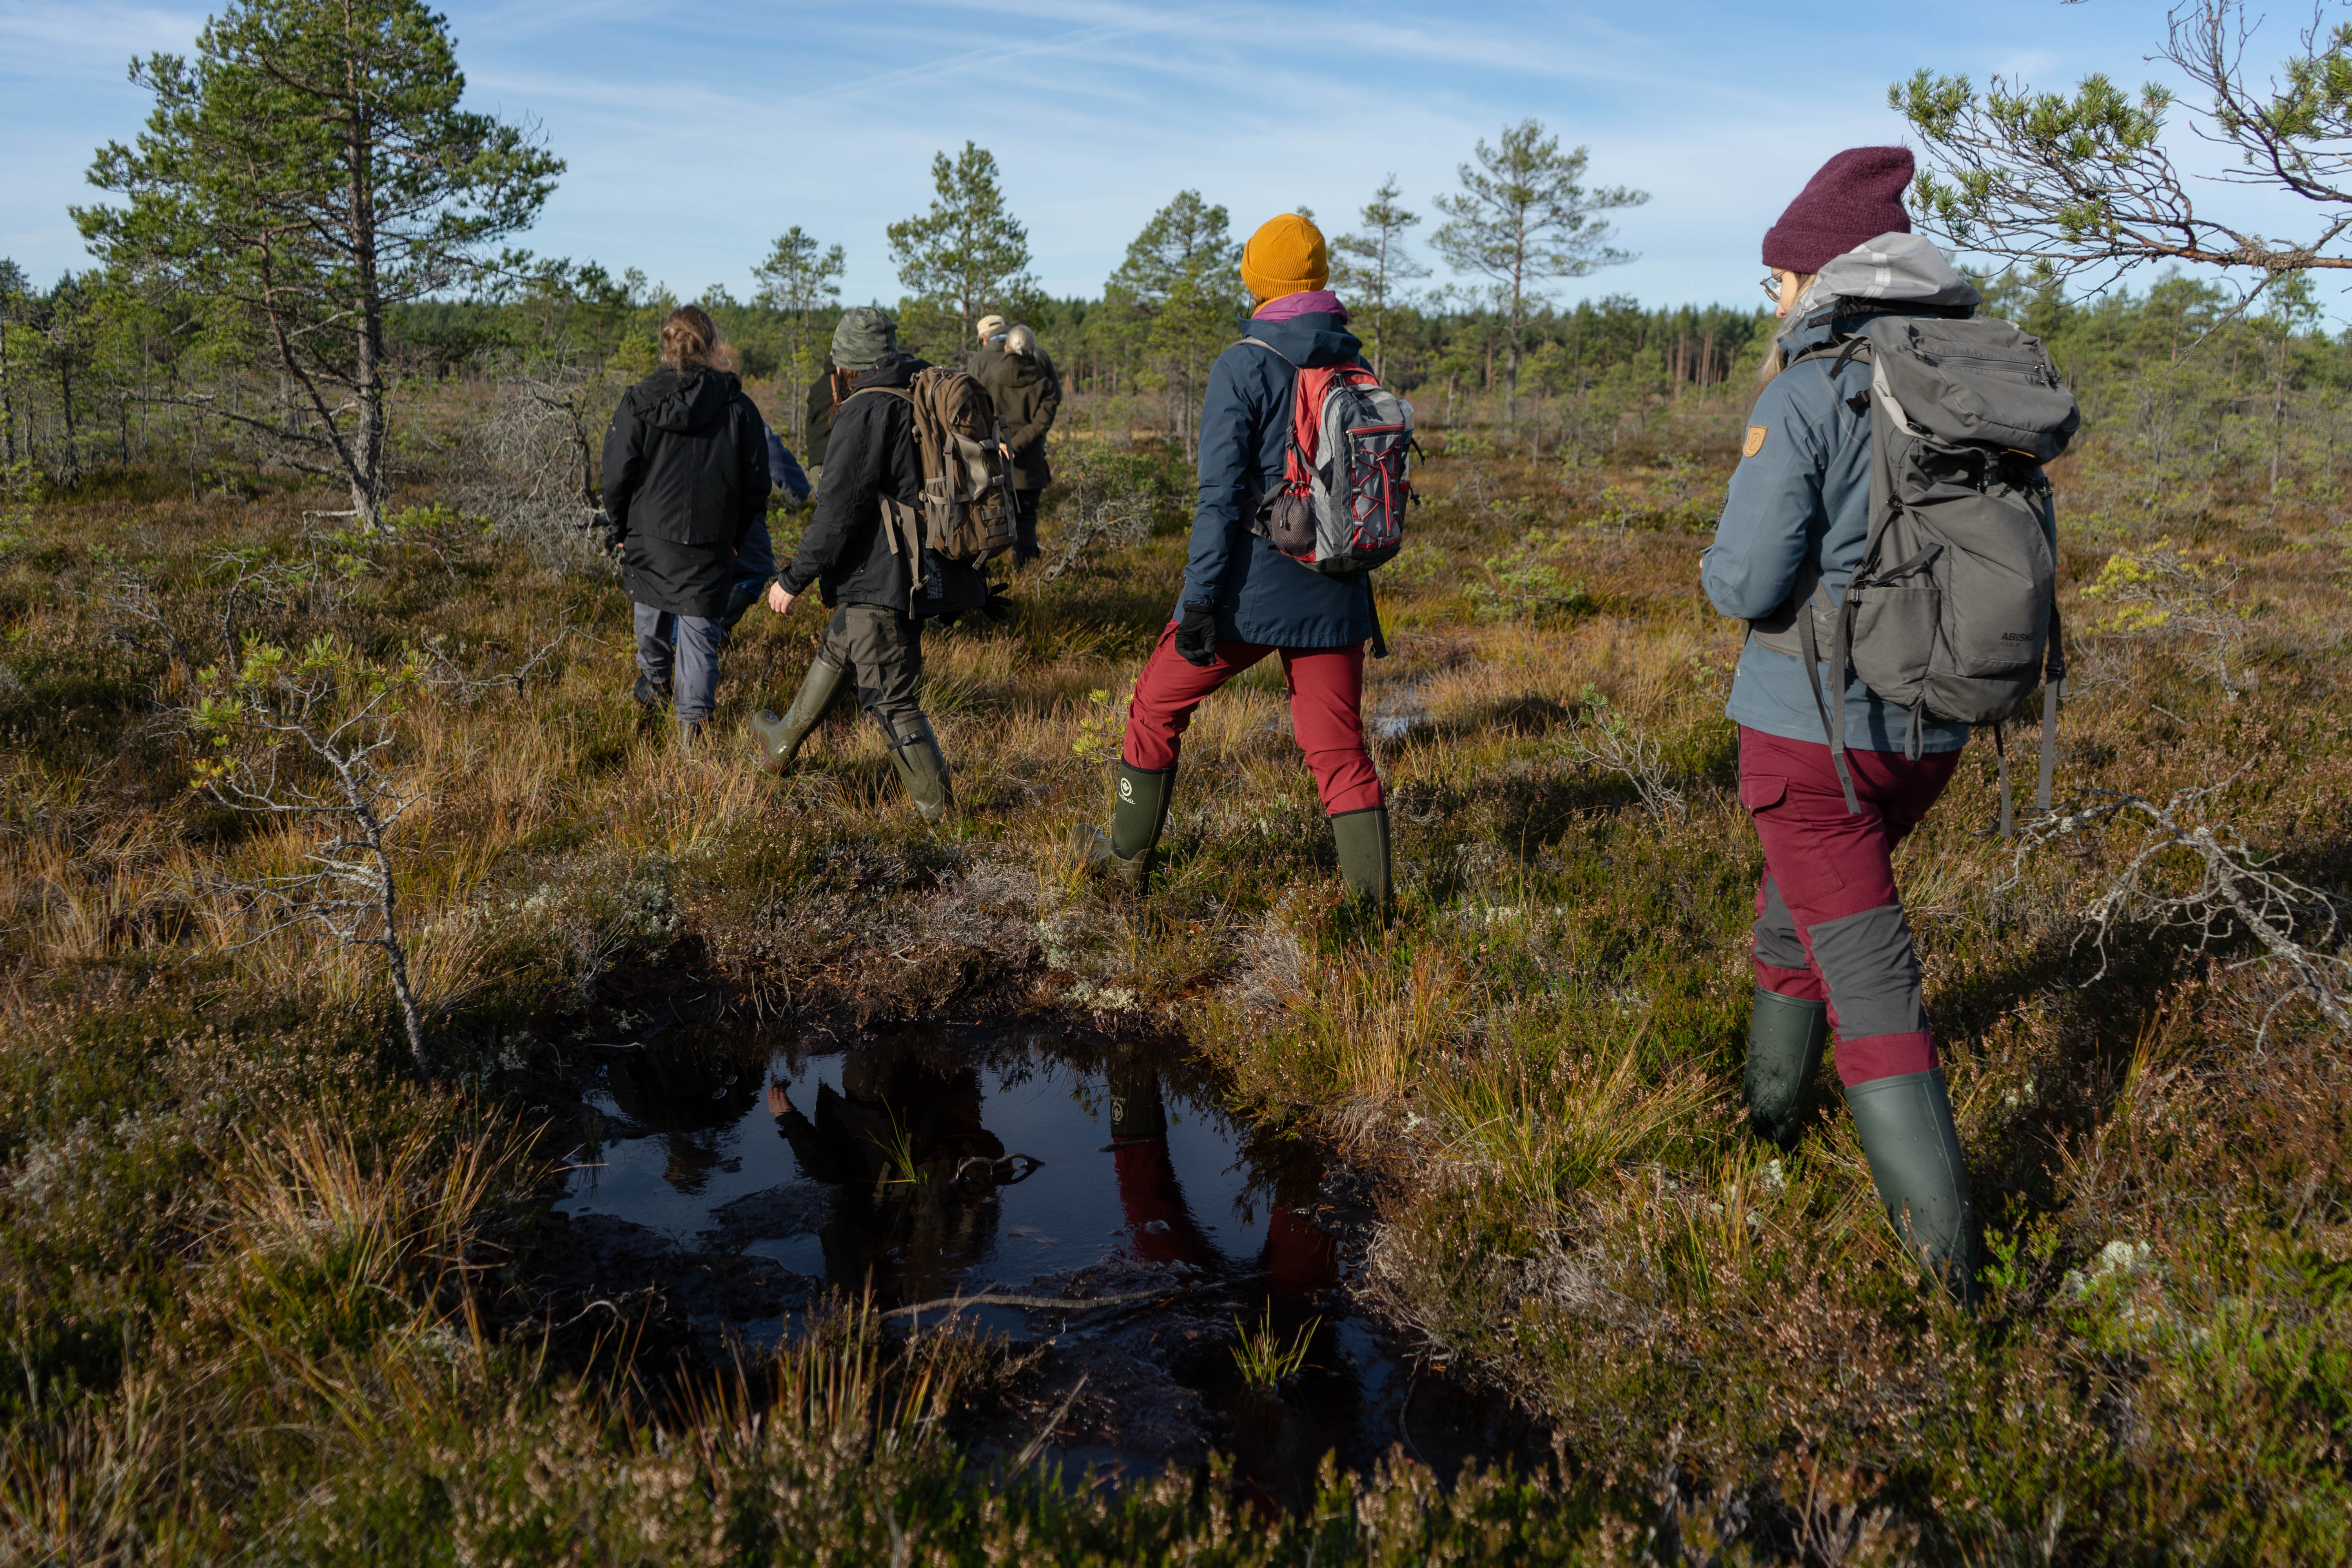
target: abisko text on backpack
1346 481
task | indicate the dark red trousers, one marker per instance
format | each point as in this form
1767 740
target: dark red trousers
1828 923
1326 696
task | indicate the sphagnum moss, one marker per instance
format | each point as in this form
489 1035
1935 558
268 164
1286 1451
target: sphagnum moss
259 1298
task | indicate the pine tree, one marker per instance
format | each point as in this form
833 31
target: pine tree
312 169
1524 219
1372 262
798 279
1180 289
967 252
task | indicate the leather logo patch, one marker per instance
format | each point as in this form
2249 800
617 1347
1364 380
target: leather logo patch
1755 442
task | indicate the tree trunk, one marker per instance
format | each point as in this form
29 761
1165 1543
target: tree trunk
367 389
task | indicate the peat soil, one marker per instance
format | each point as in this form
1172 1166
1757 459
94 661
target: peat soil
736 1176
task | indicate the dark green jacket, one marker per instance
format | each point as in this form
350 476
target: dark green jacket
1027 394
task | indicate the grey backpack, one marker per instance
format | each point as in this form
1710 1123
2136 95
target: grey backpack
1952 610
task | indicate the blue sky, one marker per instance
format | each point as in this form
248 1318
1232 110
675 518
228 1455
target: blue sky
697 133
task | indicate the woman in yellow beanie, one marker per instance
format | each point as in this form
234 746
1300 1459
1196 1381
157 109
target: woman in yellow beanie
1243 599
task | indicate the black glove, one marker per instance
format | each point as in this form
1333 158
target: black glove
999 604
1196 636
610 535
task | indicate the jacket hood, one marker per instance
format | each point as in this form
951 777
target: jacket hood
687 401
1893 270
894 370
1023 369
1316 337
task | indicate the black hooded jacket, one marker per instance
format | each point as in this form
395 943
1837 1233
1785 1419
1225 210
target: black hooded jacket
686 476
847 551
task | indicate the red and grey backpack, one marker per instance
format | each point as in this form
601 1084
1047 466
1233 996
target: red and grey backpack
1339 507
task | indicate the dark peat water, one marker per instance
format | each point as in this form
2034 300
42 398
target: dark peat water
748 1176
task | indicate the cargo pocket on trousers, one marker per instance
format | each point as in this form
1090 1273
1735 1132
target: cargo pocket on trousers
1761 792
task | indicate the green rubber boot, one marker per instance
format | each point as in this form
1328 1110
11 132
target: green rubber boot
1362 838
923 769
1785 1037
1131 846
1905 1123
780 738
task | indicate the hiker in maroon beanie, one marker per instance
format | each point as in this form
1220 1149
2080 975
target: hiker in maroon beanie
1832 947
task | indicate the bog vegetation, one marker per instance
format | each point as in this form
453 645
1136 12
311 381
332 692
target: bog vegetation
329 824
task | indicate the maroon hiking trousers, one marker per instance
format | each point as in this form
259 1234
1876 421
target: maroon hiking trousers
1829 924
1327 694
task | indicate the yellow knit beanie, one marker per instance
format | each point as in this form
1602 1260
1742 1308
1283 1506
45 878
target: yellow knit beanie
1285 256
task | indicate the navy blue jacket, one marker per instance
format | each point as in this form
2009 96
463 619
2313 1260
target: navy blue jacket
784 470
1803 493
1262 595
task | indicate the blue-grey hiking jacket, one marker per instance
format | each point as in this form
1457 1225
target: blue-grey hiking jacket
1260 595
1803 490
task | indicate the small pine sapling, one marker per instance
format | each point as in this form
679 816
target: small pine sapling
305 737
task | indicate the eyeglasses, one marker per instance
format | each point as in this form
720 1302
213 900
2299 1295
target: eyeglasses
1772 287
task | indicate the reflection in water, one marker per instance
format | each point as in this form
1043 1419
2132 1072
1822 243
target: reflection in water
935 1162
916 1173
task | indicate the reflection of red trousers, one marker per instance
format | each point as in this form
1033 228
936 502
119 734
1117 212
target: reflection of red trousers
1327 691
1829 924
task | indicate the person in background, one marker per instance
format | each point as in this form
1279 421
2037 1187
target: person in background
755 560
853 553
1832 946
686 481
989 332
1243 599
824 395
1021 382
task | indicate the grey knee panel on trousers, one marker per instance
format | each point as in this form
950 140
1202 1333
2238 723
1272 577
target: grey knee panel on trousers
1873 970
1777 941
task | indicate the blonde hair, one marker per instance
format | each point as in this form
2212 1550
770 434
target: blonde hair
1775 359
689 339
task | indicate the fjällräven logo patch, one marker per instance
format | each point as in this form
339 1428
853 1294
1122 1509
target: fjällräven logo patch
1755 442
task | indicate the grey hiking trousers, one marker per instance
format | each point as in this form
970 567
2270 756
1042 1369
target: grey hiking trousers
682 653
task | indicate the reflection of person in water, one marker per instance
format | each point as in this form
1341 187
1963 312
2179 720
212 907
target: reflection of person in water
1298 1260
692 1097
917 1174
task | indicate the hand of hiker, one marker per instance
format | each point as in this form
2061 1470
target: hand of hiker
778 600
1196 636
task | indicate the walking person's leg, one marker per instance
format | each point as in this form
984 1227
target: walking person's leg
1787 1024
1166 693
1326 700
695 680
1024 538
656 633
886 660
780 739
1832 871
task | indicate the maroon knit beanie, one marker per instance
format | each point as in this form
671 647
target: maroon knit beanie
1857 196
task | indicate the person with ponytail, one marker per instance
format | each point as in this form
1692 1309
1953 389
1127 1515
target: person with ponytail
686 490
1831 947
